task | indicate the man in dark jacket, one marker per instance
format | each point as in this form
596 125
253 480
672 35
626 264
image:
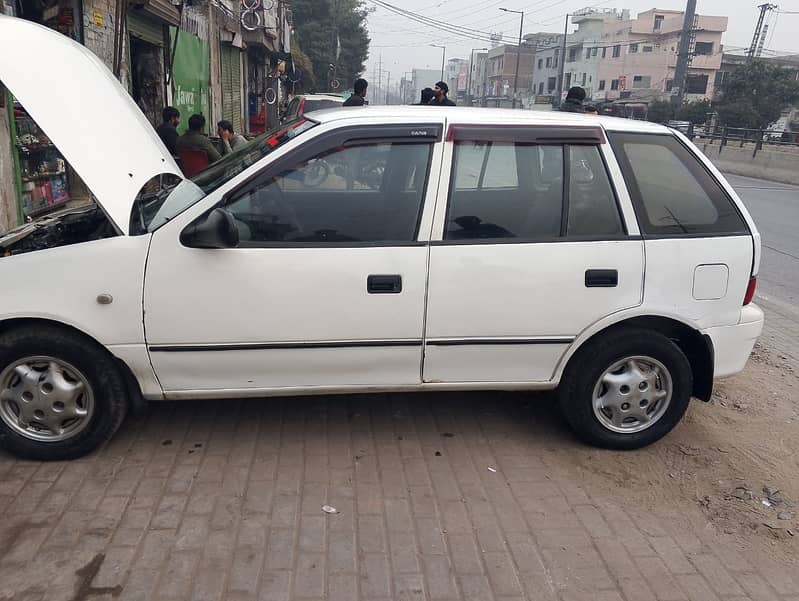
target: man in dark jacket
440 91
574 100
195 139
427 96
167 131
358 97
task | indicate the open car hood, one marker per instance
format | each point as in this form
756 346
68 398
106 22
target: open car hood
85 112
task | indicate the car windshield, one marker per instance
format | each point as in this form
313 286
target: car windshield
318 105
166 196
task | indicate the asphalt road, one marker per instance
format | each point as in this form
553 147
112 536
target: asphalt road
775 209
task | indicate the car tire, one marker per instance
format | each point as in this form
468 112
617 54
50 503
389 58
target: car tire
61 394
610 390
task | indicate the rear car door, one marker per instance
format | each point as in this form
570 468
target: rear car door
534 245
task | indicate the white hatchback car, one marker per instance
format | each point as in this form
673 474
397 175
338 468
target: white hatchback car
375 249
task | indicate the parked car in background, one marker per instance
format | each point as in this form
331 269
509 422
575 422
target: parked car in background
306 103
367 250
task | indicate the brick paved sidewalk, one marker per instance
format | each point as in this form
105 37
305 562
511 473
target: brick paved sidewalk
223 501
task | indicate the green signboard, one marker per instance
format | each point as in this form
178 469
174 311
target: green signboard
191 72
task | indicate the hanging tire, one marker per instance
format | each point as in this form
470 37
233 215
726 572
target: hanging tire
61 395
626 390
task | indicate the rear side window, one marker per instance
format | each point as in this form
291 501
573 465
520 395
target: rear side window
673 192
530 192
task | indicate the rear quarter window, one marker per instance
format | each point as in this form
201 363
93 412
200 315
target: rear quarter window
673 192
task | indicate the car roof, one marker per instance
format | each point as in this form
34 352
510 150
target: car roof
484 116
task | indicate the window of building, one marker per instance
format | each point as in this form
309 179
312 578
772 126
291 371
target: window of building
658 22
555 63
721 77
375 190
540 63
568 80
551 83
696 84
587 53
616 51
541 89
557 52
594 52
614 84
601 85
633 48
647 49
583 80
641 81
604 52
572 54
688 201
703 48
507 190
549 62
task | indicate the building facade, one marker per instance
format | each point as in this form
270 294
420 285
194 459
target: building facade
501 72
214 57
638 57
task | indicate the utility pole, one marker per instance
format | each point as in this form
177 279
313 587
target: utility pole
443 57
379 77
753 52
388 88
518 52
562 64
684 53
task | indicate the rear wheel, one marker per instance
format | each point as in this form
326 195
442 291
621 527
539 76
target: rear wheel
627 389
61 395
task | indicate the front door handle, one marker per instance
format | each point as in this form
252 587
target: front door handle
384 284
601 278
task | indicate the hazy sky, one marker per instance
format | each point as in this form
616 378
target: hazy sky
405 44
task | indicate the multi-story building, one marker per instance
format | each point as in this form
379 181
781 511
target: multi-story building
638 58
584 46
477 81
502 72
546 67
455 75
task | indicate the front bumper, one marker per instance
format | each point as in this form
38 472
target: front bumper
732 345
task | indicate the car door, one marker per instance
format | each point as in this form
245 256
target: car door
326 287
533 245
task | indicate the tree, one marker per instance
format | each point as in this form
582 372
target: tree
660 111
325 28
303 63
755 95
694 112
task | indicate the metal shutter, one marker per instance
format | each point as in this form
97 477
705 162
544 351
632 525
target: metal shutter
230 63
146 29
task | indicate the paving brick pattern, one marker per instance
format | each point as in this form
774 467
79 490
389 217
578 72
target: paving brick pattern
214 501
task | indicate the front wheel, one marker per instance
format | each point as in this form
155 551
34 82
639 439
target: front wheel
627 389
61 395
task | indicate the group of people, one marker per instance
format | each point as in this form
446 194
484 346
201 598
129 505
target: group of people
194 140
435 96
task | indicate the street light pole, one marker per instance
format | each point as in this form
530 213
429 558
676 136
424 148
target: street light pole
518 52
443 57
562 61
469 79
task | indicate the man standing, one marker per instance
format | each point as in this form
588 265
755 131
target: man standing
427 96
574 100
167 131
358 97
440 91
195 139
230 139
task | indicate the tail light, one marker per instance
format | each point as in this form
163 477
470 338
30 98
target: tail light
750 290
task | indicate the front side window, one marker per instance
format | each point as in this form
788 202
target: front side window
505 190
370 192
672 190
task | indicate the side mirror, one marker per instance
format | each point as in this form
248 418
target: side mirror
215 230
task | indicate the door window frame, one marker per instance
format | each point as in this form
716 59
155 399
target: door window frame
407 133
564 136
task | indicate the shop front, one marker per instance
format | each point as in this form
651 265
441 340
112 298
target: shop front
44 180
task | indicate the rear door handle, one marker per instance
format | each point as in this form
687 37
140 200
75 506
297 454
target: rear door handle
384 284
601 278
